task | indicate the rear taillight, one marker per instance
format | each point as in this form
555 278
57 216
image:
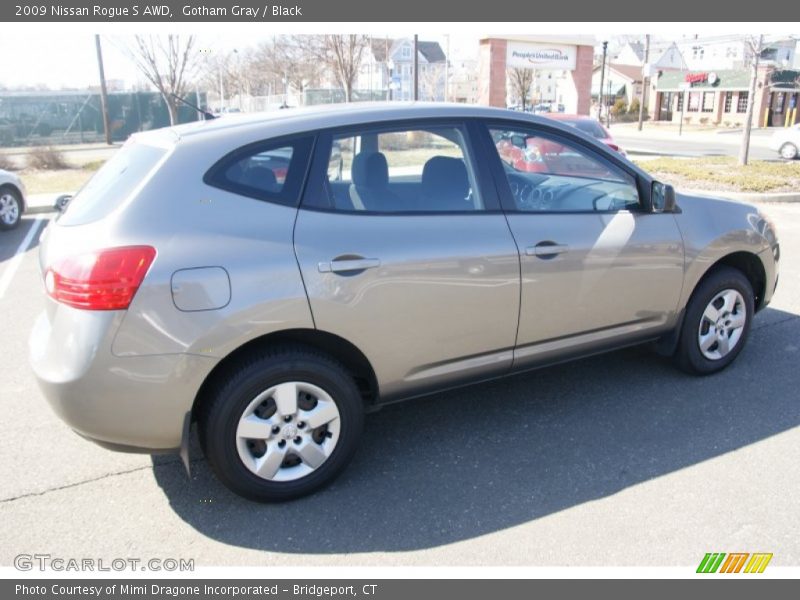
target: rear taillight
101 280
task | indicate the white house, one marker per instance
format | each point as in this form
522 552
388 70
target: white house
389 64
663 55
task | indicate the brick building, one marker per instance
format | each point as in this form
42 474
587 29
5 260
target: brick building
721 97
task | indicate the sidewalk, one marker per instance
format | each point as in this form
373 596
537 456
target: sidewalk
759 136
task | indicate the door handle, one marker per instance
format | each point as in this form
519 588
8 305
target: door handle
350 264
546 249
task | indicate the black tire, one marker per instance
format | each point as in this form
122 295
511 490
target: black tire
14 196
227 401
688 356
788 151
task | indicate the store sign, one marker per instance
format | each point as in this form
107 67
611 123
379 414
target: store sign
696 77
524 55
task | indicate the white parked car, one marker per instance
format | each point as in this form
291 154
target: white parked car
786 141
12 200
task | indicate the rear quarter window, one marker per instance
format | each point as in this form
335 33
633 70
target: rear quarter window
116 180
271 170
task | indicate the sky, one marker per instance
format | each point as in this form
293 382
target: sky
69 60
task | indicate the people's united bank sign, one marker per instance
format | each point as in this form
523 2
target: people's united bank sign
523 55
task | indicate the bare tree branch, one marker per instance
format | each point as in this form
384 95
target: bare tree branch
167 63
521 81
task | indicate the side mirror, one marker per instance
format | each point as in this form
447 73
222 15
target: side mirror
662 198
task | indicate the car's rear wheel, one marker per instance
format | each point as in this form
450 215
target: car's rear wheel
10 208
282 424
789 151
716 323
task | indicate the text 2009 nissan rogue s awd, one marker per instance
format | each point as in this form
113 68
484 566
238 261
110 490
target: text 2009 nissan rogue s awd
272 277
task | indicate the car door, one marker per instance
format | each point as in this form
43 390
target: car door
406 254
597 268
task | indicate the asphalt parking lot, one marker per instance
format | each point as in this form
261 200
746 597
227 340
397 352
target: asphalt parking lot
614 460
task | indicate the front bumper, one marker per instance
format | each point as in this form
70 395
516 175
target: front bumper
135 403
770 258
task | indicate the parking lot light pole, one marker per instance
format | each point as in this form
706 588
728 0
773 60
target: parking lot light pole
602 77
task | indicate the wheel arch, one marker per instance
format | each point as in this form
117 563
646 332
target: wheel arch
17 191
332 345
750 266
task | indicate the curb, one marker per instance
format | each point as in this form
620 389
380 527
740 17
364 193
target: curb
35 210
761 198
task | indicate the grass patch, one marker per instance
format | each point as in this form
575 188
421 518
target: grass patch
725 174
59 180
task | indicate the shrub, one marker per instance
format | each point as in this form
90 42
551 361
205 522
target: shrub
6 164
619 108
634 106
46 158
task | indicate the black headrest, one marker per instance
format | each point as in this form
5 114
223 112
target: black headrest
445 175
260 178
370 170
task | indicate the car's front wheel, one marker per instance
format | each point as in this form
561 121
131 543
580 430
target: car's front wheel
716 323
282 425
789 151
10 208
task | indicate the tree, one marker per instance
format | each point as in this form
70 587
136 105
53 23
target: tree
521 82
285 62
343 55
431 81
755 47
168 63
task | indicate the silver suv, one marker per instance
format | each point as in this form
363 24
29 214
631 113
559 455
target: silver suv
271 278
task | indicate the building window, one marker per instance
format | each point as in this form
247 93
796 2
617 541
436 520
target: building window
728 101
698 52
708 101
694 102
679 107
406 52
741 103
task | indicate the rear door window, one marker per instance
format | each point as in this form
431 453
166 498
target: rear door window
402 170
116 180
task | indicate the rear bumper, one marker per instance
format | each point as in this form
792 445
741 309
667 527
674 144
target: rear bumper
135 403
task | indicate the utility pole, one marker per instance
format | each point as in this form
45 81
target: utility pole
602 78
103 90
744 149
447 70
416 67
645 79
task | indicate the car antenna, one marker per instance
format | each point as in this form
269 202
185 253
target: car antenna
207 115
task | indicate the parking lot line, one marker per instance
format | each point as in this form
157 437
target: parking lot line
15 261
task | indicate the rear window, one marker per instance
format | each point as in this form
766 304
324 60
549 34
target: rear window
112 184
588 127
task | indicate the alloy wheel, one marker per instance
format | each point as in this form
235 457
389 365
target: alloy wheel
9 209
722 324
288 431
